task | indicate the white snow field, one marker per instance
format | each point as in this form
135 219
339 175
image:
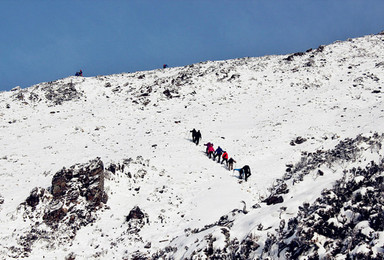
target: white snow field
254 108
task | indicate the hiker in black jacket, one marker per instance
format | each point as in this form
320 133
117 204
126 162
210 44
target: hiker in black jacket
246 171
230 163
198 137
194 132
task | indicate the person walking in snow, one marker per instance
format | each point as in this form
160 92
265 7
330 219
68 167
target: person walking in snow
224 158
208 145
210 151
198 137
245 171
165 66
218 153
194 132
230 164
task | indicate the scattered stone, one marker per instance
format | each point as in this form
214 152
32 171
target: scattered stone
34 198
167 93
298 140
60 93
135 213
320 48
18 88
71 256
273 200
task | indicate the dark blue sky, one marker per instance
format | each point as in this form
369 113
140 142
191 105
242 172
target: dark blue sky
47 40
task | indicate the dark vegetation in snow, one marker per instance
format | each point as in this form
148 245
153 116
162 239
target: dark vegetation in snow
345 220
345 217
347 150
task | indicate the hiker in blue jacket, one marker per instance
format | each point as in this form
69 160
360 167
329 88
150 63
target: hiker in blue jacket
218 153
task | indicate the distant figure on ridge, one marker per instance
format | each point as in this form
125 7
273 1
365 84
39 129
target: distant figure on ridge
165 66
79 74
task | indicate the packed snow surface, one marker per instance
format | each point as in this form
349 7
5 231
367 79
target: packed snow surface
254 108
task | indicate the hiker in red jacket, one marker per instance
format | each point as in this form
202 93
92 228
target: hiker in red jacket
208 145
210 151
224 158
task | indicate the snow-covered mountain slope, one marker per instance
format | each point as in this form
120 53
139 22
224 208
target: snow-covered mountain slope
300 121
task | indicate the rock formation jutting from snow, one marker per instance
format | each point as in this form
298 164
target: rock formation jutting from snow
104 167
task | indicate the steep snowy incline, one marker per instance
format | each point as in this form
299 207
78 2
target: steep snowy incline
252 107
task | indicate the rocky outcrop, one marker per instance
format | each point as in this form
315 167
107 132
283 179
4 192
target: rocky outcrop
79 182
74 198
54 93
135 213
136 219
60 93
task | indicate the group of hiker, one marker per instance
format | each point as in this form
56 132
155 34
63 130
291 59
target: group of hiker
219 153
